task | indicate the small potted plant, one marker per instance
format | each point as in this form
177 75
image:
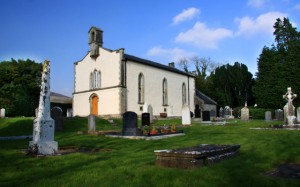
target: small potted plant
153 130
173 128
146 130
165 129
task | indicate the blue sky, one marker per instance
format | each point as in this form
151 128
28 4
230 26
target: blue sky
162 31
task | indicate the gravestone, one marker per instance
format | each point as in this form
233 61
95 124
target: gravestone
279 114
212 113
2 113
69 112
197 112
186 115
145 108
196 156
285 114
150 111
91 123
57 116
145 119
43 125
221 112
226 112
206 116
245 113
129 124
298 114
290 110
268 116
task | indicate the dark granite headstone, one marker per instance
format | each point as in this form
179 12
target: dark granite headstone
197 112
206 115
192 114
129 124
145 119
57 116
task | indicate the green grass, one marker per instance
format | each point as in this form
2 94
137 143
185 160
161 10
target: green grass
132 162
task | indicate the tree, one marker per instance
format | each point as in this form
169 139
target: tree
184 64
278 67
232 85
19 86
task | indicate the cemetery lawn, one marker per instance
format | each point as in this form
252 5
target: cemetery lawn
123 162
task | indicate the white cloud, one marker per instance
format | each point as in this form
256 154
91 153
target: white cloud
173 54
256 3
203 37
262 24
186 14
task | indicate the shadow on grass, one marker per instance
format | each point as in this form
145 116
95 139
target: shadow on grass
16 127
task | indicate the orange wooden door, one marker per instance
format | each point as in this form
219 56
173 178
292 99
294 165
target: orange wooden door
95 105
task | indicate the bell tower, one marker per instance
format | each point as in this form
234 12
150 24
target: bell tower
95 41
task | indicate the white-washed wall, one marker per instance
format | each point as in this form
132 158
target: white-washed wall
153 78
108 103
109 64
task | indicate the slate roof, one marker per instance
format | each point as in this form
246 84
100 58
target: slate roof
59 98
205 98
155 64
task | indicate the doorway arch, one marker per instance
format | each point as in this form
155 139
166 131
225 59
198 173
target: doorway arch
94 99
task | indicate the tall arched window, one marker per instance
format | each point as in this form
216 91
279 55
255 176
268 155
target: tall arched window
165 92
95 79
183 94
92 80
141 88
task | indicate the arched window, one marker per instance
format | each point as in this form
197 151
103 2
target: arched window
93 36
92 80
95 79
183 94
141 88
165 92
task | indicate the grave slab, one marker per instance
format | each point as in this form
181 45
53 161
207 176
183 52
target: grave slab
196 156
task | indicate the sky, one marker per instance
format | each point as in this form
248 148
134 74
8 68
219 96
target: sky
157 30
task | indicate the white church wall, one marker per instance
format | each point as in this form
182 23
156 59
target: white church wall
108 103
109 65
153 78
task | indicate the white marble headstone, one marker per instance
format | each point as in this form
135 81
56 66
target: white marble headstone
145 108
186 115
150 111
298 115
245 114
268 116
2 113
43 125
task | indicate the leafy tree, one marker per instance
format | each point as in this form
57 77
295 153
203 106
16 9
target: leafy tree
231 85
278 67
19 86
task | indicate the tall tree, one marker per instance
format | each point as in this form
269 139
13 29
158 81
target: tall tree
278 67
232 85
19 86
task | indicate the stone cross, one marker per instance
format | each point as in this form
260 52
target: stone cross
43 125
289 97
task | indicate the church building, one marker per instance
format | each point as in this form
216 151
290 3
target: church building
109 82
